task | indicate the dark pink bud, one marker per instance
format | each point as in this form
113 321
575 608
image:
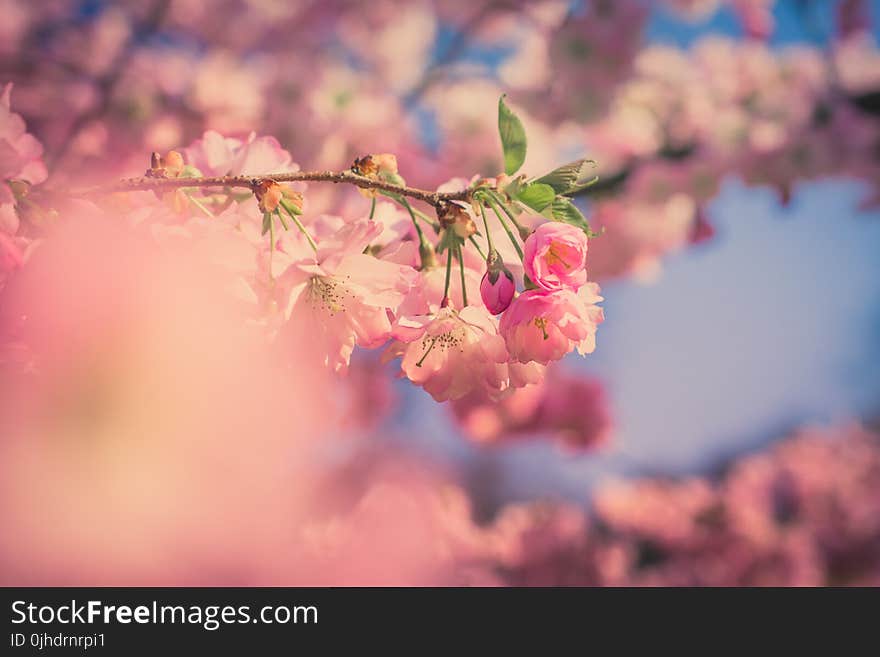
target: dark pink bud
497 289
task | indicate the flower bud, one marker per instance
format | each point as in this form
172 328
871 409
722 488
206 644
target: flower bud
294 200
427 255
365 166
497 287
173 162
169 166
385 162
269 194
457 217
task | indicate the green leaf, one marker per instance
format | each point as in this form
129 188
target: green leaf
537 196
513 138
570 177
564 210
267 222
514 186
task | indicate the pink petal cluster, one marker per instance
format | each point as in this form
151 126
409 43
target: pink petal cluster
20 160
569 409
555 256
450 353
340 297
803 513
544 326
216 155
20 152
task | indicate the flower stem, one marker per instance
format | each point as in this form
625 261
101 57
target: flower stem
461 269
445 301
299 225
486 226
200 205
523 231
477 247
507 230
271 220
426 251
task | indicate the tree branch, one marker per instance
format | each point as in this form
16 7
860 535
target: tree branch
435 199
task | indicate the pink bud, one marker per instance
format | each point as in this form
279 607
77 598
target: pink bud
497 289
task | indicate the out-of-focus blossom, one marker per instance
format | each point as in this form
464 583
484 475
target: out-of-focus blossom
756 17
803 513
20 152
216 155
852 17
132 351
21 165
569 409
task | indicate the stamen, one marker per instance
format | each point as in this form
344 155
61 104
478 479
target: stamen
328 294
428 351
541 323
555 257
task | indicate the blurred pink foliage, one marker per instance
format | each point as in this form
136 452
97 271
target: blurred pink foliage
805 513
573 410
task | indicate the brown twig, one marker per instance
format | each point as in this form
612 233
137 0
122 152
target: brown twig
435 199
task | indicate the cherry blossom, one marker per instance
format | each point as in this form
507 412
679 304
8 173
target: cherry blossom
555 256
340 297
544 326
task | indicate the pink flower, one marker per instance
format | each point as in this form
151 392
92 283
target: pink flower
452 353
572 410
497 287
341 297
216 155
555 256
498 293
544 326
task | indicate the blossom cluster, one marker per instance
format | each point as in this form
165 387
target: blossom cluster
20 167
374 280
571 410
803 513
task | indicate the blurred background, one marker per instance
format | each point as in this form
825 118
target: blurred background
738 151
